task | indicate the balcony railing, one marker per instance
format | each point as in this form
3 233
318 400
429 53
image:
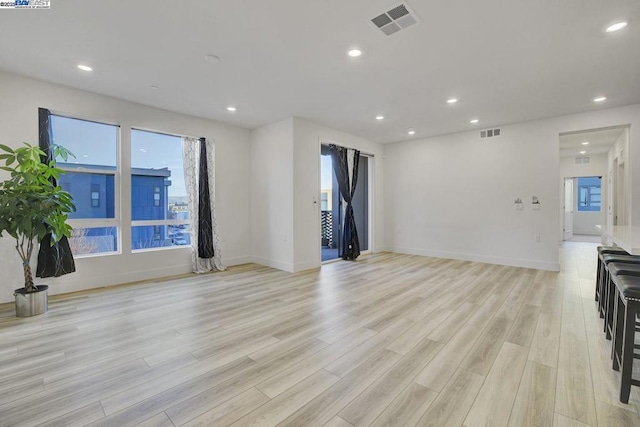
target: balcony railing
326 228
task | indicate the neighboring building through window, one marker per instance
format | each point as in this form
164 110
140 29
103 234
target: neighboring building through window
90 179
159 213
156 196
95 195
589 194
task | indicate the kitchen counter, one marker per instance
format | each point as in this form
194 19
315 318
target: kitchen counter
625 236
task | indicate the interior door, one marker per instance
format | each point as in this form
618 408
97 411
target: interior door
610 199
621 210
568 208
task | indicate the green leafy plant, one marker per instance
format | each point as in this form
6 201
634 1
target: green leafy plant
31 204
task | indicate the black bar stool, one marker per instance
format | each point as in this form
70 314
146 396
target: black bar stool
604 303
602 250
626 308
615 269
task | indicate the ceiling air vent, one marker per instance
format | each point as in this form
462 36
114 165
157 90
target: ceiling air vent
396 19
583 160
490 133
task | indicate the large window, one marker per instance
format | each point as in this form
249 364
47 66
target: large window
91 179
159 213
589 194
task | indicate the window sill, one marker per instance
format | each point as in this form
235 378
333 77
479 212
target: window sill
164 248
101 254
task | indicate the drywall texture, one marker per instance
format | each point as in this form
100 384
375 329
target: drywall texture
272 232
19 104
453 197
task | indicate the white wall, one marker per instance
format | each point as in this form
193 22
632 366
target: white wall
286 181
272 233
449 196
307 139
452 196
621 151
584 222
19 104
597 166
629 115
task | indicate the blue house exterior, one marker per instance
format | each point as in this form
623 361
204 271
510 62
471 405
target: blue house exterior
150 201
590 194
93 194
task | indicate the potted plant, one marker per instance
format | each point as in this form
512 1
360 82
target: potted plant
32 206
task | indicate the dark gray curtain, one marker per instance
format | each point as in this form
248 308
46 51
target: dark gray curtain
56 260
345 166
205 223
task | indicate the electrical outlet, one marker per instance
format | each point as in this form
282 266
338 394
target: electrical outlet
537 237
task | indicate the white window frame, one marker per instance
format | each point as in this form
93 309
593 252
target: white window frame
154 222
99 222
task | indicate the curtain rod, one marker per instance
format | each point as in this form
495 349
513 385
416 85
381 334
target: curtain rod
362 153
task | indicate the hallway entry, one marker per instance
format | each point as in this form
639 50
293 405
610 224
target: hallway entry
593 181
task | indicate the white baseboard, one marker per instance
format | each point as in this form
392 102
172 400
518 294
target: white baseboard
487 259
307 265
286 266
76 282
279 265
239 260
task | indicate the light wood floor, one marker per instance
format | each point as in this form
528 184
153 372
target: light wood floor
388 340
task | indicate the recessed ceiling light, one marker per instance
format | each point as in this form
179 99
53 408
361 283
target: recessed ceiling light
232 109
212 58
153 87
583 152
354 53
85 67
600 99
616 27
474 121
143 150
379 117
452 100
585 143
411 132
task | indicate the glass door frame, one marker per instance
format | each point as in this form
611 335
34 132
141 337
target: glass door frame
370 199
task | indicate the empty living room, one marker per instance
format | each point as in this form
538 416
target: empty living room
319 213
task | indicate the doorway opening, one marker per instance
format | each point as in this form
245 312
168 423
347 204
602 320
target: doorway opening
332 207
592 181
582 208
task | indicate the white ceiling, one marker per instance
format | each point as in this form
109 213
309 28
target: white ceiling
506 60
600 141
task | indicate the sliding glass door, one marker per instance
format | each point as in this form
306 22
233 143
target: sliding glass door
332 207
